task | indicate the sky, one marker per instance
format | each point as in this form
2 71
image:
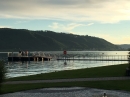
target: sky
107 19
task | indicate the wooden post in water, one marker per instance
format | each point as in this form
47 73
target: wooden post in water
29 56
101 57
34 58
12 56
65 52
29 59
8 54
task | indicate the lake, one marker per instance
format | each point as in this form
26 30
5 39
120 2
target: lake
16 69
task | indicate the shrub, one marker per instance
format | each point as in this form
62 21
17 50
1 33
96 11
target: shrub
129 57
3 71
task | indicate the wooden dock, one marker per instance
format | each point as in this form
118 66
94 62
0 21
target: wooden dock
28 57
40 56
95 59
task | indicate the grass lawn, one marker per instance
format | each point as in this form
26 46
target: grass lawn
106 71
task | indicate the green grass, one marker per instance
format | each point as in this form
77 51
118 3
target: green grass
109 85
106 71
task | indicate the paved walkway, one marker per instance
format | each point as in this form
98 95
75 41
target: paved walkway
68 80
68 92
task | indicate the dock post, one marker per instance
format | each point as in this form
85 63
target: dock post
28 54
37 58
28 59
42 59
34 59
12 56
8 54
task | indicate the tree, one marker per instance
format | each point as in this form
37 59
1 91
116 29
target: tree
129 58
3 71
128 68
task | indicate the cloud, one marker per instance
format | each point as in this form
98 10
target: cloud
19 22
104 11
54 26
67 28
90 24
71 26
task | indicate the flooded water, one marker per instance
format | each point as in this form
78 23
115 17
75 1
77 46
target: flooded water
16 69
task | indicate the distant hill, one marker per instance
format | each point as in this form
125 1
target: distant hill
15 39
125 46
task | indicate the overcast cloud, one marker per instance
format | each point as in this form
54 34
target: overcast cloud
104 11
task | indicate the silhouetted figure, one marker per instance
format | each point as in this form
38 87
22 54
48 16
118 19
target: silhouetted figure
19 51
104 95
127 71
22 53
26 53
65 63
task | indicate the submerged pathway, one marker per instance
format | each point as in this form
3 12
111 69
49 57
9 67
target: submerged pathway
68 80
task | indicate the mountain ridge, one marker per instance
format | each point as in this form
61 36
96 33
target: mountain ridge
14 39
125 46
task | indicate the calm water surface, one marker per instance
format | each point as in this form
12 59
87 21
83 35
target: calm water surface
16 69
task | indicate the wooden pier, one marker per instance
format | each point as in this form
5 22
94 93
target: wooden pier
28 57
40 56
94 58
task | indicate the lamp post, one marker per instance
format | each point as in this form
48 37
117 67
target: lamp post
102 56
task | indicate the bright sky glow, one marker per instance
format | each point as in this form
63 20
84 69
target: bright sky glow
108 19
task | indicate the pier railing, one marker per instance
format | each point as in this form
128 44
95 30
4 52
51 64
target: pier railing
94 57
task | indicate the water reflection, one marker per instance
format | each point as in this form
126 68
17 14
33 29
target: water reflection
65 63
25 68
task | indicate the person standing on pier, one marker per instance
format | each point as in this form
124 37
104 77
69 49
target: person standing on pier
26 53
22 53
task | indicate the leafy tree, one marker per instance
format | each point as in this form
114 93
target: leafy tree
3 71
129 57
128 68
